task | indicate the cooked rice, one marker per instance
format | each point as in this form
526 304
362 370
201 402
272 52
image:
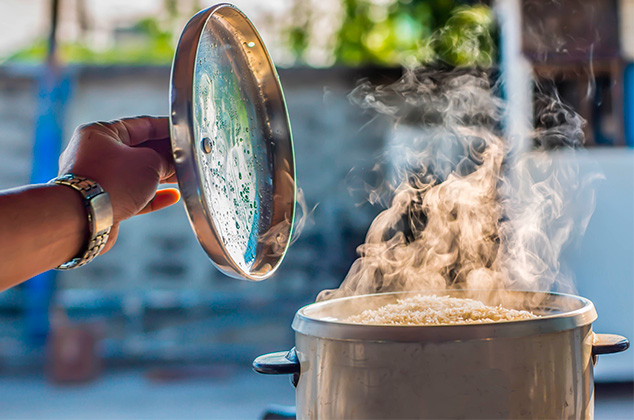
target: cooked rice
437 310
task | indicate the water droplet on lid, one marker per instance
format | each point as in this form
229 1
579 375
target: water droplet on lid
251 44
206 145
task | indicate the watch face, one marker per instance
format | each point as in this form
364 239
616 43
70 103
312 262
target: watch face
232 143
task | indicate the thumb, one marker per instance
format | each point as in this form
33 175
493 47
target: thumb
162 198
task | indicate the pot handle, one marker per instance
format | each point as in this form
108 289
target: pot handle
609 343
280 363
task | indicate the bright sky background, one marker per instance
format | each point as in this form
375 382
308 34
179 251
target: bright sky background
21 21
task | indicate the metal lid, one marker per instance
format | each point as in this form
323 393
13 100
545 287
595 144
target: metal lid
232 144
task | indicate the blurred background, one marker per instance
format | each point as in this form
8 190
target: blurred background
152 329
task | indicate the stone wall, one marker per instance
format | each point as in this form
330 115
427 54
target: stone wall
157 265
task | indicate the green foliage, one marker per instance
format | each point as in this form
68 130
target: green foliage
466 38
298 42
379 32
147 43
297 34
410 32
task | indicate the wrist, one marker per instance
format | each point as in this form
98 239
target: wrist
72 215
97 212
43 225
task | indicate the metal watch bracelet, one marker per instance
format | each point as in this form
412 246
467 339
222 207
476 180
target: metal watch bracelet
99 213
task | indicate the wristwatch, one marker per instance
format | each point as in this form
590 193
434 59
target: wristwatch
100 218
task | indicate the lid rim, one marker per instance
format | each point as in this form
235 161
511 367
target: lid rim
182 135
184 148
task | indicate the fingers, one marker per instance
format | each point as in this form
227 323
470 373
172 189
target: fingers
163 198
112 238
152 133
161 149
136 130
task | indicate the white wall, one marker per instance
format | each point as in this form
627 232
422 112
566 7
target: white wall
603 262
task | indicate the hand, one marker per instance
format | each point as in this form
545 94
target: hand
129 158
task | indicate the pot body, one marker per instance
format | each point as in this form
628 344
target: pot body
529 369
546 376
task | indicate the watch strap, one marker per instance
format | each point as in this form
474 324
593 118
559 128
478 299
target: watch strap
99 213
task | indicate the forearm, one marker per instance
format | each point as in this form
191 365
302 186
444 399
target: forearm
41 227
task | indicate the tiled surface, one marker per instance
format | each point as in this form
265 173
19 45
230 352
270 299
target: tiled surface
233 394
219 392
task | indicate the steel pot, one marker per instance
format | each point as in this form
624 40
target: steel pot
539 368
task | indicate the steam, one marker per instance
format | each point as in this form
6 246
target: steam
303 217
277 235
465 214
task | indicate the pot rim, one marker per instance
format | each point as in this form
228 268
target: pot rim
332 328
